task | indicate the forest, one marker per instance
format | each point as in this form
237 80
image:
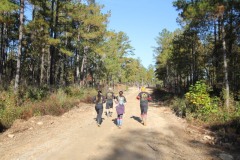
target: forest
60 43
60 49
201 61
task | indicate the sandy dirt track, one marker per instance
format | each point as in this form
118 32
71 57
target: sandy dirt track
75 136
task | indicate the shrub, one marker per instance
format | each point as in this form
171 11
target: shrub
74 91
9 115
33 93
199 101
60 96
8 109
179 107
237 113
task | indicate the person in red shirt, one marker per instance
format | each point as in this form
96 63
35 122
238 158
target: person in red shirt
144 98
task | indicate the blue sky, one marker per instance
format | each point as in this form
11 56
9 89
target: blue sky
142 21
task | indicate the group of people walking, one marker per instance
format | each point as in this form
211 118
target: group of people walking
120 100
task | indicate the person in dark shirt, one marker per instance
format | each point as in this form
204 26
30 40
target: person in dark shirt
109 102
144 97
99 100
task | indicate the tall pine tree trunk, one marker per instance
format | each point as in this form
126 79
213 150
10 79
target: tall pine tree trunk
17 78
221 9
213 81
77 67
77 64
42 67
84 59
52 48
225 67
48 68
63 77
1 52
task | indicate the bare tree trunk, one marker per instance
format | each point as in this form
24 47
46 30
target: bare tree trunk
63 78
53 34
84 61
214 77
192 65
1 53
225 67
77 67
48 68
42 67
17 78
83 66
78 62
52 51
167 81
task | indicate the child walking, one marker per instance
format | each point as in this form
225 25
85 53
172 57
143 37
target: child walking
120 108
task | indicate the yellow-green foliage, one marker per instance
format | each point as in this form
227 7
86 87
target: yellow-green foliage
74 91
199 101
9 115
8 109
237 113
61 97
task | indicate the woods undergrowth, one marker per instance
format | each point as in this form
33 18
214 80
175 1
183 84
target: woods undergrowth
32 101
202 107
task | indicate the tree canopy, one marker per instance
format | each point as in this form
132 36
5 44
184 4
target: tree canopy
206 48
63 43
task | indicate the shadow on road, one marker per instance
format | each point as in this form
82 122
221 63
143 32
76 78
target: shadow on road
138 119
114 120
150 144
102 120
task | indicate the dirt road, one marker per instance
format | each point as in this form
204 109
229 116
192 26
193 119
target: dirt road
75 136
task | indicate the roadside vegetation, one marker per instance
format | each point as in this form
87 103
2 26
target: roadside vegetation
40 101
202 108
32 101
198 104
199 65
